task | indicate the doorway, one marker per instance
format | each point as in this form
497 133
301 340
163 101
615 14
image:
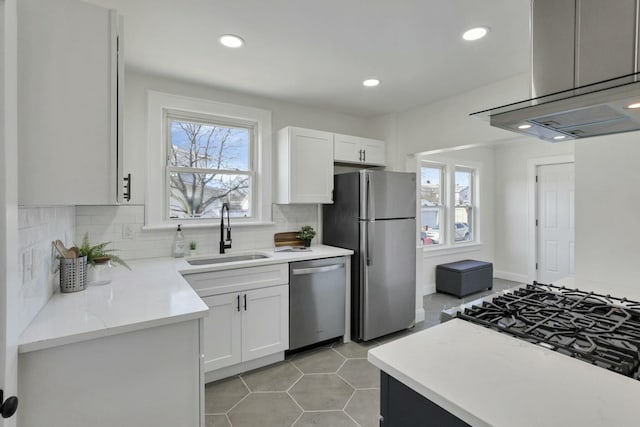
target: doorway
555 222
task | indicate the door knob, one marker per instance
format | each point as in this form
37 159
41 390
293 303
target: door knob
8 407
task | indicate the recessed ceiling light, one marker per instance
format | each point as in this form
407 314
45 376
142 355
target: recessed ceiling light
525 126
371 82
559 137
634 106
475 33
231 40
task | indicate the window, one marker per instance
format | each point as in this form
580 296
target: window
447 203
431 203
463 216
209 163
202 153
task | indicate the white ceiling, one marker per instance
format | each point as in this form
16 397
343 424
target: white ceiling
317 52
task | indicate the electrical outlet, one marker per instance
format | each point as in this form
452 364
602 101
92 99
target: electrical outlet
27 265
127 231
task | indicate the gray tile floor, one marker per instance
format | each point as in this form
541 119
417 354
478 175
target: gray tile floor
330 386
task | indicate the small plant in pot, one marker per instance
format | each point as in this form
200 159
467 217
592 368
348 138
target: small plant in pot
97 254
306 234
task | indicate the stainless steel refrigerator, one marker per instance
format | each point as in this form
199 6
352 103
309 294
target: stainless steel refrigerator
373 213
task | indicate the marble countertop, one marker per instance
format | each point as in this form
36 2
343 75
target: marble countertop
152 293
487 378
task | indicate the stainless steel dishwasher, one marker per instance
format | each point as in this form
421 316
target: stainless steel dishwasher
316 301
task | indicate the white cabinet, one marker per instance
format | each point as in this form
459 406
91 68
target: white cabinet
245 326
69 121
357 150
222 332
304 166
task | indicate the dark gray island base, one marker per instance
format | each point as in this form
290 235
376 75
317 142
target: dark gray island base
400 406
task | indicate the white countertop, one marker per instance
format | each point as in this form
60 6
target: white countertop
491 379
153 293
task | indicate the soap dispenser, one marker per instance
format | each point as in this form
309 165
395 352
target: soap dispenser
178 244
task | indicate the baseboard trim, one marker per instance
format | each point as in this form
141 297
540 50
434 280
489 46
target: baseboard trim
429 289
514 277
229 371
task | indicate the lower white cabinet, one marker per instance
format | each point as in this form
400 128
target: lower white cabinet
244 326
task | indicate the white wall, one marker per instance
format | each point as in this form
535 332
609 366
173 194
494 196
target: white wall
607 209
447 124
513 212
37 228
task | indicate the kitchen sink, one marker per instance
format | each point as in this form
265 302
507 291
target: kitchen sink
225 259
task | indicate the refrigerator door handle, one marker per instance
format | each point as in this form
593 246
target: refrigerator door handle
370 202
369 238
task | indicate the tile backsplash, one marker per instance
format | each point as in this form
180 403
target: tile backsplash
122 225
37 228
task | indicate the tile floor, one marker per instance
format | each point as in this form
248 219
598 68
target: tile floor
329 386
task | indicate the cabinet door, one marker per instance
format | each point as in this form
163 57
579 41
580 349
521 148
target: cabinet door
354 149
347 149
222 331
265 322
67 117
374 152
311 166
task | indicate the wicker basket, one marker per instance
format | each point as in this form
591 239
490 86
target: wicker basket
73 274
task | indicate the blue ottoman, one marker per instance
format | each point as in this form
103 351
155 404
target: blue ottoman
462 278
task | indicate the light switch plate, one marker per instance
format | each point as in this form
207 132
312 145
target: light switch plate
27 265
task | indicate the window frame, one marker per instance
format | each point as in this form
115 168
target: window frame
447 227
473 171
442 206
183 116
161 105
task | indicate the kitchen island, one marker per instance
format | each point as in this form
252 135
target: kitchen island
484 378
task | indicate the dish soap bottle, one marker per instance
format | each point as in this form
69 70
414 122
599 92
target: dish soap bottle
178 244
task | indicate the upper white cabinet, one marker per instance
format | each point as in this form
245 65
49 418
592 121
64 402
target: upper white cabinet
304 166
69 80
362 151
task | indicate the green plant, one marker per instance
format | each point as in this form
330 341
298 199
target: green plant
97 253
193 245
306 233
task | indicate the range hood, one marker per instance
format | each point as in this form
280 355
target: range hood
578 46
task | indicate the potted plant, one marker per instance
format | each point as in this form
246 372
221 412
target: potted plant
193 246
306 234
99 260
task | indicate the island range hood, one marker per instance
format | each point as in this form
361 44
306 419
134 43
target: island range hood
585 78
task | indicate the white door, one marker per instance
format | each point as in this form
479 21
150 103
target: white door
222 331
265 322
311 166
9 300
556 224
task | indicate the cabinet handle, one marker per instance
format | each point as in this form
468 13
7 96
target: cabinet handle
245 302
360 155
126 195
238 306
364 155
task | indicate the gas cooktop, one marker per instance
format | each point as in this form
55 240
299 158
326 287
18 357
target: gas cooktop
597 329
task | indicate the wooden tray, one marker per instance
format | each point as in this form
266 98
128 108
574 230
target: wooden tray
287 239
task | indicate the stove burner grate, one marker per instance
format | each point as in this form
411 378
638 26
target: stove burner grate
597 329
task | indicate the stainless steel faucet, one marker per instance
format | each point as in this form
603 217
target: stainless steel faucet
225 243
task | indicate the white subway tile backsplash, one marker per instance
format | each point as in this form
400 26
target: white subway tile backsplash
108 223
37 228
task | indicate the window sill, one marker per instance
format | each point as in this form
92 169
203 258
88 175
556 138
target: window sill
216 224
437 250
